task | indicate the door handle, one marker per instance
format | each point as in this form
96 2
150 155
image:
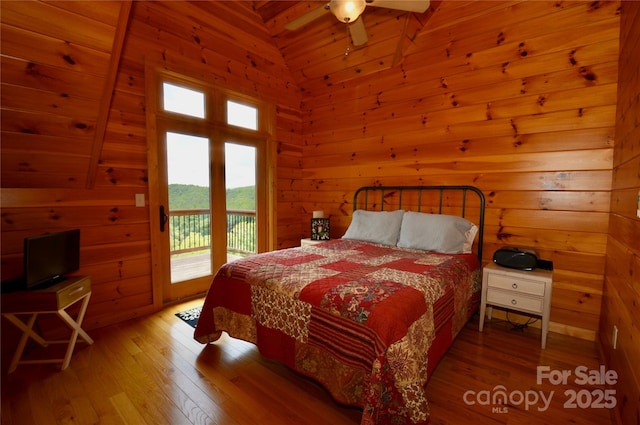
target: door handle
163 218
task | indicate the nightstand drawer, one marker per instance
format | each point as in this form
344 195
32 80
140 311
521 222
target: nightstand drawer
52 298
515 300
515 284
73 292
527 292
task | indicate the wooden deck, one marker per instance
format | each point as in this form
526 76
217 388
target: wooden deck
192 266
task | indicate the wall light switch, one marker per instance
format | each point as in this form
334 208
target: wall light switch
139 199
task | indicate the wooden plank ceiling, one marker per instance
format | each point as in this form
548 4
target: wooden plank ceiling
315 53
59 63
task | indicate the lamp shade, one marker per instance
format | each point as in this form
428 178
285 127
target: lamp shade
347 10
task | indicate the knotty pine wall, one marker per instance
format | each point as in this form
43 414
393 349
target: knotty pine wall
621 302
516 98
227 45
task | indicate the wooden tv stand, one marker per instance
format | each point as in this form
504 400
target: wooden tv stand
52 300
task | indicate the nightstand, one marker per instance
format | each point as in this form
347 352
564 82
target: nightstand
309 242
52 300
527 292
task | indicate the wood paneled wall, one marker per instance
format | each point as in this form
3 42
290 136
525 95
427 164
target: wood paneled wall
221 42
621 302
56 79
516 98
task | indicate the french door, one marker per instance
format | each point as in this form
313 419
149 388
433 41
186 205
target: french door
209 185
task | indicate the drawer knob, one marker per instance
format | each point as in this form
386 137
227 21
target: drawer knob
514 285
514 302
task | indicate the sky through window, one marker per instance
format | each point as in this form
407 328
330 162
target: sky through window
188 156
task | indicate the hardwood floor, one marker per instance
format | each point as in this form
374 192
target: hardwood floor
151 371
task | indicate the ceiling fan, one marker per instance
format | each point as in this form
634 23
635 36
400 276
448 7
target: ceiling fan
348 12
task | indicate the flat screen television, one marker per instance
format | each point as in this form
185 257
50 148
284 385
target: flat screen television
47 258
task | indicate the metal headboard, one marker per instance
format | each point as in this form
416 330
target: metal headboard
465 191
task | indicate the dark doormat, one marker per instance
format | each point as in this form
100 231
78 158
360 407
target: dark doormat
190 316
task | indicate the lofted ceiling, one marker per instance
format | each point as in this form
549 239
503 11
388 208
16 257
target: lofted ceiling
316 52
60 64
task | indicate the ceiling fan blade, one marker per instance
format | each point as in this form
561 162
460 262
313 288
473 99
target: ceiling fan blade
418 6
307 17
358 32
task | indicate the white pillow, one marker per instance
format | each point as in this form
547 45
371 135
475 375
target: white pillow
447 234
381 227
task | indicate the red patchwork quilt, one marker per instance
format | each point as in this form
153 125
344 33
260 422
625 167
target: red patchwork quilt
369 322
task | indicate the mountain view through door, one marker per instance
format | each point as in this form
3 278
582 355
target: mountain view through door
189 207
210 156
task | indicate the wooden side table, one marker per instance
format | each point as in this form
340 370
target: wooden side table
52 300
527 292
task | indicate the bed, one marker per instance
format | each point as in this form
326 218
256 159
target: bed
368 315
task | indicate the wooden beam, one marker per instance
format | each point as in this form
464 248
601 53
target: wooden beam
107 92
412 26
399 54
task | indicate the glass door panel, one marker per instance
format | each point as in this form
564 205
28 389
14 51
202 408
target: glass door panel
240 178
189 215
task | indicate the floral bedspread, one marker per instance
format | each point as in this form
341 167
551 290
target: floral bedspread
369 322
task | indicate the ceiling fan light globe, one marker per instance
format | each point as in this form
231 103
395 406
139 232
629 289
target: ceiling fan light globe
347 10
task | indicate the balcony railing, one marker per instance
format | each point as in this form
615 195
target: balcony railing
241 231
191 231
